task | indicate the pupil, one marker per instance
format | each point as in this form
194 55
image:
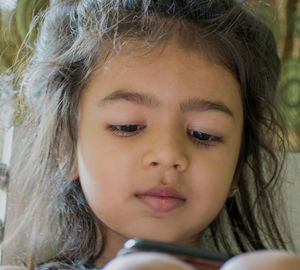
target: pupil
130 128
199 135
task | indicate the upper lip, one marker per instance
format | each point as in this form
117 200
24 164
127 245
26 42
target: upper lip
162 192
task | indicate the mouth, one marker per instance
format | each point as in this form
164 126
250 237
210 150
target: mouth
162 199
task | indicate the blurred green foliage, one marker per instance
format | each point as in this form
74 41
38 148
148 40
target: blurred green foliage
15 25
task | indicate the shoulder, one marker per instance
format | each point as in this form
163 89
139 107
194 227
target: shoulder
11 267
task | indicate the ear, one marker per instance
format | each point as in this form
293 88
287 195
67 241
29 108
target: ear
232 191
72 176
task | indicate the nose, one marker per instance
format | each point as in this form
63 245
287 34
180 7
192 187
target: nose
166 153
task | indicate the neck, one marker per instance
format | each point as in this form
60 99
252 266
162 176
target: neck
114 242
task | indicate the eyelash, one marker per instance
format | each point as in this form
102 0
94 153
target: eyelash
125 130
204 138
197 137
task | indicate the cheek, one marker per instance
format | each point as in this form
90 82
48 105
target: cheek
211 177
106 187
101 190
211 184
104 175
208 196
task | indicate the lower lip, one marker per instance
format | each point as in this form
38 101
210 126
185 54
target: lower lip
161 203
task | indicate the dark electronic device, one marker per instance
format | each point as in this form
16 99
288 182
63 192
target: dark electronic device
197 257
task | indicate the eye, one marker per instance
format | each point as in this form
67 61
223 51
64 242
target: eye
125 130
203 138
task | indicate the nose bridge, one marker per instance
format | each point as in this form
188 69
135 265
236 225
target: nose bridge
166 150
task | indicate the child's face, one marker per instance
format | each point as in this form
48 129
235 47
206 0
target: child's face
158 141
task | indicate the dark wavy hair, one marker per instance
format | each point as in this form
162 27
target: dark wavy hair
77 35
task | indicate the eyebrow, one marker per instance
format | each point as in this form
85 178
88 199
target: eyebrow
191 104
197 104
137 98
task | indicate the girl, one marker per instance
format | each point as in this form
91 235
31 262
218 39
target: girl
149 119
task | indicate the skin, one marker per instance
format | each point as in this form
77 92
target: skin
164 150
264 260
147 261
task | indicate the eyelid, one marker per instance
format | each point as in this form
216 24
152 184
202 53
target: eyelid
117 129
198 137
210 139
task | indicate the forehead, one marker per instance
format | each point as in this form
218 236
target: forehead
144 57
143 50
168 72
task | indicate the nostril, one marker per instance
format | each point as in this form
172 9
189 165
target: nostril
154 164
